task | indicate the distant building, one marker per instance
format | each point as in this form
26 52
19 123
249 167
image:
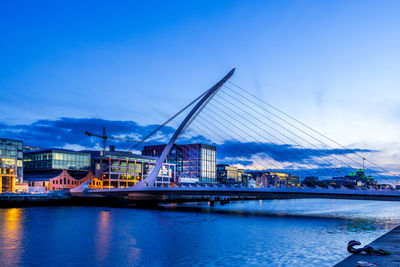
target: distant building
252 183
275 178
293 181
385 186
246 177
121 169
228 174
191 160
278 179
354 179
11 167
361 179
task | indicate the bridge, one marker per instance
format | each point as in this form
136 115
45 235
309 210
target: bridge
240 119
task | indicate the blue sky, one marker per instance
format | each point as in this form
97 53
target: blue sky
333 64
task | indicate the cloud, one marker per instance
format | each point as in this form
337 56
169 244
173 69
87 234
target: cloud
281 152
69 133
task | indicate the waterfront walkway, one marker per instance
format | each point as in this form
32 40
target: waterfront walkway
389 241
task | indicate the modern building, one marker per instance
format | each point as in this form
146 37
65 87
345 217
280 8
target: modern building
195 161
246 177
354 179
11 167
60 159
293 181
228 174
276 179
361 178
56 169
120 169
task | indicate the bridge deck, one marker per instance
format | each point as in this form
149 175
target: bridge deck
201 193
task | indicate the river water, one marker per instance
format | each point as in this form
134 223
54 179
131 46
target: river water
299 232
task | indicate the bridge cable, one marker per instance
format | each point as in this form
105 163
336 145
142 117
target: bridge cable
204 126
264 130
243 138
306 134
270 147
246 151
310 128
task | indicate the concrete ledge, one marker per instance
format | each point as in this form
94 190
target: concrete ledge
389 241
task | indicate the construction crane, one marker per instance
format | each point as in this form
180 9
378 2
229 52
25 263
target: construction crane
105 138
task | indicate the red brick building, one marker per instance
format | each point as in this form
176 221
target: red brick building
61 180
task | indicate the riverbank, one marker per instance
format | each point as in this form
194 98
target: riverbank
389 241
26 200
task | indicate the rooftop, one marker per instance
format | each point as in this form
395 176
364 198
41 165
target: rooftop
47 150
3 139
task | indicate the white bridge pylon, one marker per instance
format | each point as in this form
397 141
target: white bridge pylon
150 180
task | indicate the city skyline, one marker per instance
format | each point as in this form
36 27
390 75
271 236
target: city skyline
199 133
75 70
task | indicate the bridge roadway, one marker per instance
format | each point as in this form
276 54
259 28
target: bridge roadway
211 193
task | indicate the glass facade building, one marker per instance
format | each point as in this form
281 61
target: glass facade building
11 167
191 160
227 173
56 159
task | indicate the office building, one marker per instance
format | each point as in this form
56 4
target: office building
56 169
59 159
228 174
193 161
121 169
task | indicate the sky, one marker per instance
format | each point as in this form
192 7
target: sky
130 65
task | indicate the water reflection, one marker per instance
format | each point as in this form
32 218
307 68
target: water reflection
113 240
11 236
103 237
254 233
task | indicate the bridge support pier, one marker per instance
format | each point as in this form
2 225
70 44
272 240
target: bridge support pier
224 200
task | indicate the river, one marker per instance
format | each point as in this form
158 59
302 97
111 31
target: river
303 232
